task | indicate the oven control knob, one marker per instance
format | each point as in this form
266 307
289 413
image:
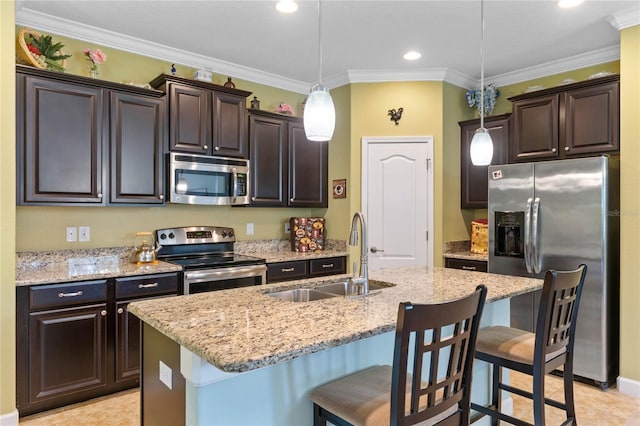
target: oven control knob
224 234
171 236
163 236
230 234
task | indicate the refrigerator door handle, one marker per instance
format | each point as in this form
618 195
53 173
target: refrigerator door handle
527 235
535 219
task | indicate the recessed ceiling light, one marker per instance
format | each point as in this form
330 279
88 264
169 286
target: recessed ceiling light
287 6
412 55
566 4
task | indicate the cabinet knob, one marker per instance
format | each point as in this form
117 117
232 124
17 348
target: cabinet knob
206 147
99 195
553 150
161 196
103 313
216 148
120 310
291 200
253 198
566 148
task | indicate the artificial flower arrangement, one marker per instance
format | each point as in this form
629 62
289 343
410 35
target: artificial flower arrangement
490 95
285 109
44 51
96 57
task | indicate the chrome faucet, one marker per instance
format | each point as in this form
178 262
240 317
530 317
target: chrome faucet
363 277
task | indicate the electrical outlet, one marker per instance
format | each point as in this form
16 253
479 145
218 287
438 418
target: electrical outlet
249 228
72 234
84 233
287 227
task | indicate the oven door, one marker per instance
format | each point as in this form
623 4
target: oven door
201 280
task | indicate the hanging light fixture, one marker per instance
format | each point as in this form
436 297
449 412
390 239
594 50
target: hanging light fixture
319 112
481 150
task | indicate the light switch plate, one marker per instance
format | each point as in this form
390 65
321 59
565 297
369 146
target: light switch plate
84 233
165 375
72 234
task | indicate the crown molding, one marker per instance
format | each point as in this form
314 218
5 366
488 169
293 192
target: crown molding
43 22
571 63
625 19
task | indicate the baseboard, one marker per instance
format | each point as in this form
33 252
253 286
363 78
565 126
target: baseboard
628 386
9 419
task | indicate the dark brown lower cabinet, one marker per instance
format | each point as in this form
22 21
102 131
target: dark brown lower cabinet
77 340
300 269
68 352
466 264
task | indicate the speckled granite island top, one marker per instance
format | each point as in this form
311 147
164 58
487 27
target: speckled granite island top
244 329
468 255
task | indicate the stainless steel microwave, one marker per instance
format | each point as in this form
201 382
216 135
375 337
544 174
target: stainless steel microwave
200 179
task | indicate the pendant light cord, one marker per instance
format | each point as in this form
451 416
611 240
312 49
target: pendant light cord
482 64
319 44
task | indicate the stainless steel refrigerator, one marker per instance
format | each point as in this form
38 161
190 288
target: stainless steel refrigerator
557 215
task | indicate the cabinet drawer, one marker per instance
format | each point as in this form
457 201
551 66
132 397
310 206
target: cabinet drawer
147 285
67 294
286 271
467 265
327 266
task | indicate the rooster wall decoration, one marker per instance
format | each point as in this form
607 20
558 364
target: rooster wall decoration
394 115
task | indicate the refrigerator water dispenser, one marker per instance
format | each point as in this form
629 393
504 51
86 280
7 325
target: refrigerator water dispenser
509 228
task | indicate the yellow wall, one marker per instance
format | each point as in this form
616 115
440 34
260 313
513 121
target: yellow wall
629 203
7 212
423 115
338 214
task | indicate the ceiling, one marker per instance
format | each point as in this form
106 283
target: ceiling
361 40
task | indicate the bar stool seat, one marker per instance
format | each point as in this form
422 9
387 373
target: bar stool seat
435 342
536 354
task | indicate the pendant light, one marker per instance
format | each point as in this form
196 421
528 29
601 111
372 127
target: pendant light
481 150
319 112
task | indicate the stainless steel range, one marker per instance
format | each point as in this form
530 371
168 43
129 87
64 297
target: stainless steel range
208 260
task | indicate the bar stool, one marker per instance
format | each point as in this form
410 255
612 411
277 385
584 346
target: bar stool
444 336
539 353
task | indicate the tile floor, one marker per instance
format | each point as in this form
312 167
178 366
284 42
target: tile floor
593 406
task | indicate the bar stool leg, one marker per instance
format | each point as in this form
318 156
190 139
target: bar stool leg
568 391
496 394
538 397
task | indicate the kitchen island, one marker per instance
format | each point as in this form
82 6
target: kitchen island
242 357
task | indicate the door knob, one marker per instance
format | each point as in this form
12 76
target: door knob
374 249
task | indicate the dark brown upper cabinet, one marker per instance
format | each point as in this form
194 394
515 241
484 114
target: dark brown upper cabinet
205 118
83 141
575 120
287 170
474 184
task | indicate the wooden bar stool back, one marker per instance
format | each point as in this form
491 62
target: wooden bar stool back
430 384
539 353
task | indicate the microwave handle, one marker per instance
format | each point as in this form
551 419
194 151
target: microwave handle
235 181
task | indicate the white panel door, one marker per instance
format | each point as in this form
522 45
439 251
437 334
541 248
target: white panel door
397 200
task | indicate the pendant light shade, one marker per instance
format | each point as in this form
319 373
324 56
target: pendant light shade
481 149
319 112
319 115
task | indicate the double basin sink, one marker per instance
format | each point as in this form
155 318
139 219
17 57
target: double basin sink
325 291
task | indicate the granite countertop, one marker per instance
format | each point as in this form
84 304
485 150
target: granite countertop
44 267
244 329
274 251
468 255
80 265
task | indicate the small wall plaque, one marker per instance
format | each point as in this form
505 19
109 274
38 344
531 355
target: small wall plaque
340 188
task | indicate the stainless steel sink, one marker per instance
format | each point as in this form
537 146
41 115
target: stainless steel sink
301 295
346 288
